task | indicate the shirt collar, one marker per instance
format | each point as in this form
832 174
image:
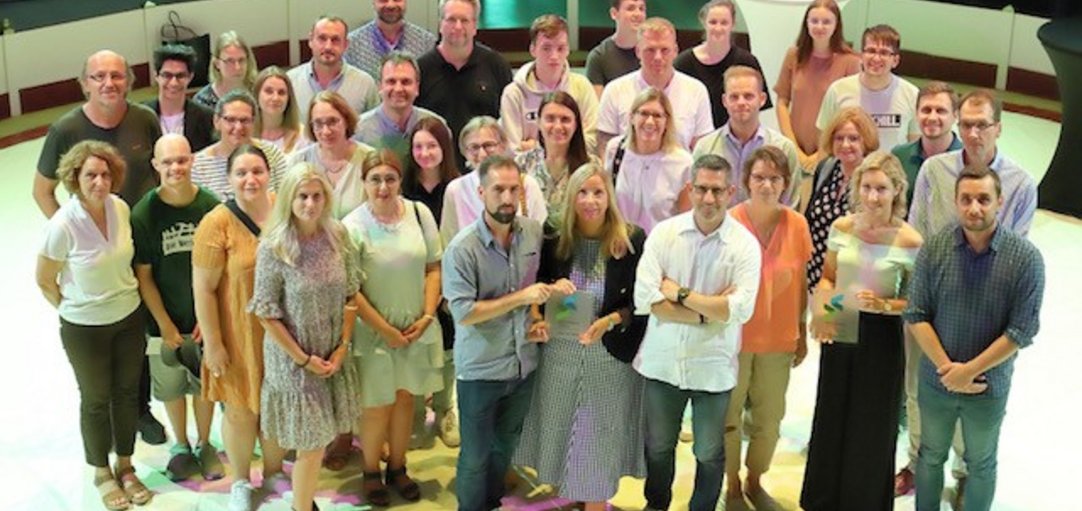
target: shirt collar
996 164
961 241
686 224
487 239
333 85
389 124
727 131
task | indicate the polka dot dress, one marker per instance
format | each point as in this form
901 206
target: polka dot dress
829 204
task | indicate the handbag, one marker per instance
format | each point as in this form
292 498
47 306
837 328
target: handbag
173 32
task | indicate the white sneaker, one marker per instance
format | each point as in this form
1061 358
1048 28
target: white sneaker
447 429
240 495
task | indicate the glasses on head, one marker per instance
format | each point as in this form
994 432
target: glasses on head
655 116
880 52
489 147
234 62
102 76
760 179
980 126
167 76
378 181
329 122
243 121
716 191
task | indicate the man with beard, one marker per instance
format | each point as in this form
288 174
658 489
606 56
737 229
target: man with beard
697 279
388 32
974 301
489 281
937 111
327 70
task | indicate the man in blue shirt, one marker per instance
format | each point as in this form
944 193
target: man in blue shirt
489 274
974 300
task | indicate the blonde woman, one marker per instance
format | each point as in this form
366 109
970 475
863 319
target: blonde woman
305 273
278 121
232 66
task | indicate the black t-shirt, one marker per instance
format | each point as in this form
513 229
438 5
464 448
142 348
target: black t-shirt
433 199
607 62
714 77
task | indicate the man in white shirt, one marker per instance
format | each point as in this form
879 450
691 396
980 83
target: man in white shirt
743 134
690 100
327 70
697 279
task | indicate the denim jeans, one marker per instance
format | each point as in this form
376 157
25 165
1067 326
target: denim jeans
664 406
981 417
490 415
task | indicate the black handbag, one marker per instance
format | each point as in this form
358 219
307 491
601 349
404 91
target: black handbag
173 32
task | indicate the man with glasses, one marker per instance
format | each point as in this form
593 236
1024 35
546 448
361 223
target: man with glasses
327 71
173 64
887 98
697 280
107 115
388 32
461 78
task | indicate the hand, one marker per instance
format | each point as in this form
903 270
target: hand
563 287
867 301
527 144
216 358
339 356
536 294
801 349
538 332
394 338
823 329
808 161
171 337
596 331
415 330
319 367
669 289
958 377
197 335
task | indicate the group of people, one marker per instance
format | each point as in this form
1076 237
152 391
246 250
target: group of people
577 259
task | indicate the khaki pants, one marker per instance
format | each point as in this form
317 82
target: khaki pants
761 384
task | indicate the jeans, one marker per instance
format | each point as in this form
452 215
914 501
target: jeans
490 415
981 417
664 406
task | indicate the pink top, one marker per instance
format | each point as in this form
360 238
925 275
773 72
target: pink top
773 327
805 86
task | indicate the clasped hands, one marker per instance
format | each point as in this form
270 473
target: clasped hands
401 338
961 378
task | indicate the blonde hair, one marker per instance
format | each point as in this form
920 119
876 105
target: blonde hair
668 136
291 121
281 231
232 39
71 165
616 241
889 165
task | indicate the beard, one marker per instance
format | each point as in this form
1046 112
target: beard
502 217
390 16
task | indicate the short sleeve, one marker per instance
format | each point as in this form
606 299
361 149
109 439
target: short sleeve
802 237
594 73
784 85
58 241
140 233
266 299
354 273
209 247
608 114
837 239
430 231
49 159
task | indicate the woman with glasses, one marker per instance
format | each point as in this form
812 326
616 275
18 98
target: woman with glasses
232 66
234 117
278 121
651 169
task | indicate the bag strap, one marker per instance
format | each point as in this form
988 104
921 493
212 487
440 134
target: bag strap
618 158
175 27
522 196
243 217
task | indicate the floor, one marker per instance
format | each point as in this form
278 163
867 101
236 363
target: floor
42 467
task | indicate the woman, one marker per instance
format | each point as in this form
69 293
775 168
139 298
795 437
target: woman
233 118
278 121
650 168
399 344
232 66
84 270
430 169
305 272
561 148
331 122
584 430
708 60
223 261
775 339
854 430
820 57
850 136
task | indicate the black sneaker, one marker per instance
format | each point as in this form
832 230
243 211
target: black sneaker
151 430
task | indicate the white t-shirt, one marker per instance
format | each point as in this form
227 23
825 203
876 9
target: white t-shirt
97 284
649 185
689 97
894 109
172 124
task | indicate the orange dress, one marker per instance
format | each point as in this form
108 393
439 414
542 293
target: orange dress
223 242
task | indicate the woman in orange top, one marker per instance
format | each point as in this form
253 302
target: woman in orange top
223 273
775 338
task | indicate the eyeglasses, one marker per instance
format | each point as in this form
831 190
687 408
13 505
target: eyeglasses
377 181
167 76
759 179
235 62
329 122
644 115
980 126
881 52
712 190
489 147
243 121
101 77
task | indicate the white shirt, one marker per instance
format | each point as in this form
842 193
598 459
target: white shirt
893 109
693 356
97 284
648 186
462 204
690 103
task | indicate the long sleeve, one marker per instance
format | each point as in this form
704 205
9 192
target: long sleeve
648 275
918 210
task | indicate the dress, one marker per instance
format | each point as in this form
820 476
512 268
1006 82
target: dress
392 259
584 430
828 203
301 410
222 241
854 431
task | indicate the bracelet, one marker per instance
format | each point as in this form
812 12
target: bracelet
306 361
429 317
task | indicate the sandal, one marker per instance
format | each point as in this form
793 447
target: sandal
373 494
337 455
112 497
402 484
136 491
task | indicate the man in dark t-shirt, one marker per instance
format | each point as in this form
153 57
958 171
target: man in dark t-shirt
615 56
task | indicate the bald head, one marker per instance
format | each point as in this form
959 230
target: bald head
106 79
173 161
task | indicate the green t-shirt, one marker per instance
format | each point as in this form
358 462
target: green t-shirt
164 236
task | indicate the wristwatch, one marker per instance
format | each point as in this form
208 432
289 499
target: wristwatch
682 294
887 307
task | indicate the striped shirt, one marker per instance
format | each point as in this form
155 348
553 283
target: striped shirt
972 299
210 172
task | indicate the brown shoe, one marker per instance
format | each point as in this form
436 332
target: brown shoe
903 482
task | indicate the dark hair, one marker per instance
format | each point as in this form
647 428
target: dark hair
883 34
548 25
178 52
242 150
768 154
984 97
976 172
496 161
333 19
713 163
804 41
236 95
448 167
577 155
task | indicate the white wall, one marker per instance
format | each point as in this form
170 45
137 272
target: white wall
1026 50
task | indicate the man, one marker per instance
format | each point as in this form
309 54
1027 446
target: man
461 78
388 32
697 279
108 116
163 228
888 99
327 70
937 111
173 65
388 125
615 56
489 273
549 71
979 126
743 133
656 51
974 301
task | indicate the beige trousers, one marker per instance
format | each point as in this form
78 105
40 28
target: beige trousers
761 384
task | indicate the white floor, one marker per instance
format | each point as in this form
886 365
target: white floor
41 465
